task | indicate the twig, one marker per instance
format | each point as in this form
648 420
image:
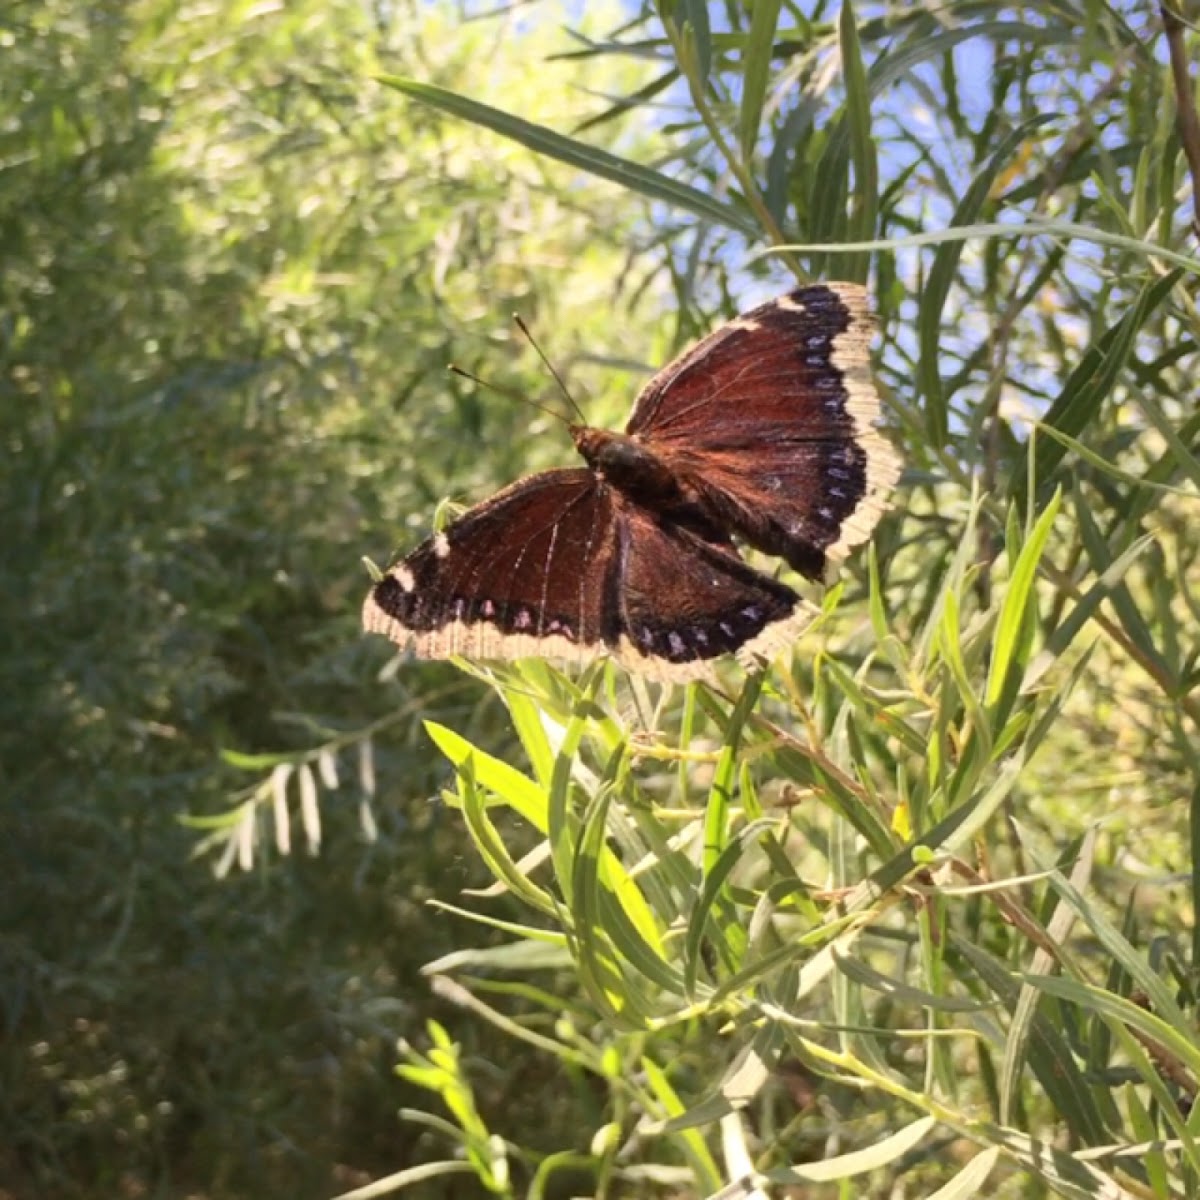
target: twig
1186 120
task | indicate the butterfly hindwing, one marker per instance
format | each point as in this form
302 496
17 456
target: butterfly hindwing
560 565
686 600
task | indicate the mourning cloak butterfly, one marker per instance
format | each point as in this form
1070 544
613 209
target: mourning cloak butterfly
763 431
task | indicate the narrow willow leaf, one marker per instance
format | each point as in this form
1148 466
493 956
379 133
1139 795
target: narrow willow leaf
388 1185
690 1142
245 834
254 762
1070 1178
1122 1015
490 844
1077 404
865 206
1194 826
954 830
1051 1058
279 809
720 795
1006 647
516 790
539 949
1185 460
1133 620
1111 469
595 161
936 291
327 768
623 917
952 655
597 968
1057 930
1062 637
628 103
310 811
865 976
744 1078
858 1162
756 71
702 919
562 822
968 1183
1146 1131
1018 229
696 30
366 767
528 717
779 163
1133 960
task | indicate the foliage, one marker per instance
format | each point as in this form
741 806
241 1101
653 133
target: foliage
851 919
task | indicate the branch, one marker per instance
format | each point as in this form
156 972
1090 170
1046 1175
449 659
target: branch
1186 119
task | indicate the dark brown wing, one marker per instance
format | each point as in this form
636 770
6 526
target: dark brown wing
685 600
563 566
770 421
522 574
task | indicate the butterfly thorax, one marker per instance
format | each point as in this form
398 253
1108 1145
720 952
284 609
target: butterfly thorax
628 464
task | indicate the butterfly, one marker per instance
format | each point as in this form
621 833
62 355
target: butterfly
765 431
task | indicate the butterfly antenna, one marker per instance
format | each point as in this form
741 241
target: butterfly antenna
550 367
483 383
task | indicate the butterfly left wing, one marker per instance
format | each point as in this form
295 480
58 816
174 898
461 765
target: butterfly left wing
770 422
521 574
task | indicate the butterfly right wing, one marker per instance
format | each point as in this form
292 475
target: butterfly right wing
771 420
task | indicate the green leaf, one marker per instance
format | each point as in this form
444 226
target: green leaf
865 976
1049 1057
858 1162
1017 229
491 845
756 71
1185 460
702 919
968 1183
578 154
514 789
1079 401
258 762
1132 618
696 31
936 291
628 103
688 1141
1011 644
865 205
